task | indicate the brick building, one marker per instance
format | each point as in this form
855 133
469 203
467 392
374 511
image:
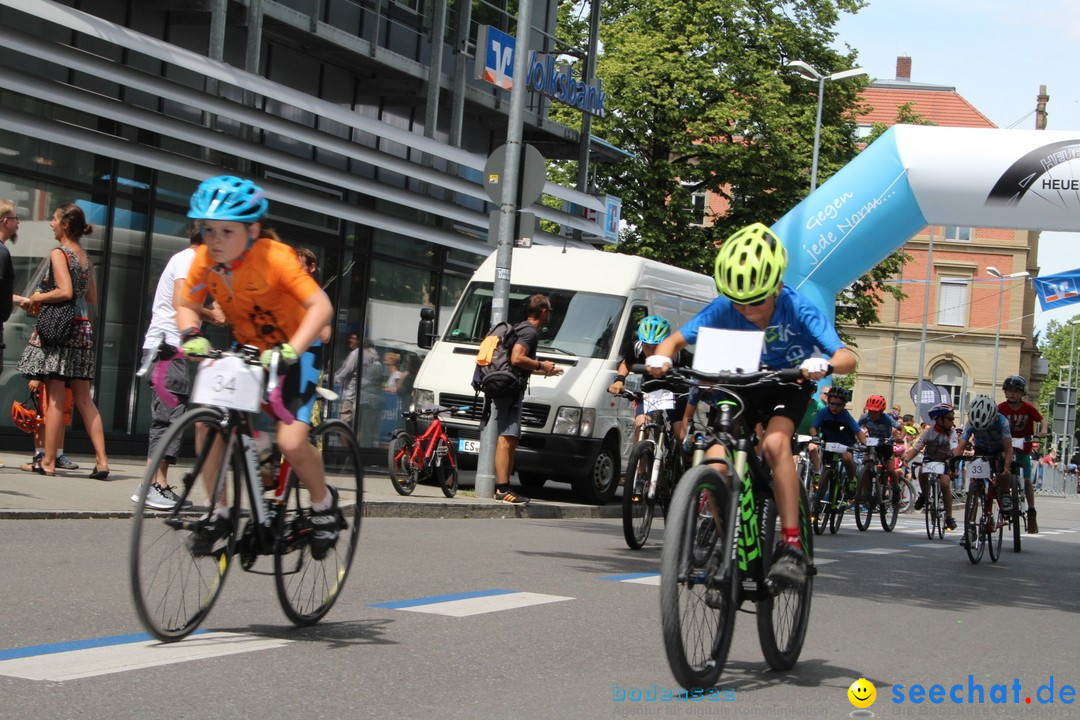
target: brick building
962 302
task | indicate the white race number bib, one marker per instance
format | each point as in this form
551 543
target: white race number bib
229 382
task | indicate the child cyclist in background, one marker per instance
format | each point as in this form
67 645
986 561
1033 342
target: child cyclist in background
836 425
272 303
936 444
1023 418
748 273
651 331
990 431
882 426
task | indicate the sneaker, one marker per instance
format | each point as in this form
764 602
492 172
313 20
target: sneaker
65 463
161 498
788 567
1033 527
509 496
921 502
324 526
203 538
950 523
29 467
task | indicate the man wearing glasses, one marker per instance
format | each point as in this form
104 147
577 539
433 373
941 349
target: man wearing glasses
937 443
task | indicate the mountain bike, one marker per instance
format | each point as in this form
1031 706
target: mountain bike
654 466
721 530
804 468
934 509
175 587
881 491
981 522
833 493
1019 497
411 458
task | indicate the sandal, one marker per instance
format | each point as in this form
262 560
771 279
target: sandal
38 470
98 473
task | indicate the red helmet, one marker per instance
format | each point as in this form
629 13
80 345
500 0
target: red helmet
875 403
27 419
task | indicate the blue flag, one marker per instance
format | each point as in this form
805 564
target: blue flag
1058 290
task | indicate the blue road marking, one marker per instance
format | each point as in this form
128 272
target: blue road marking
630 576
52 648
398 604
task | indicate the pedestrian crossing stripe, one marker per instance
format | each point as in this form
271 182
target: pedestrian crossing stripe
935 546
878 551
60 662
471 603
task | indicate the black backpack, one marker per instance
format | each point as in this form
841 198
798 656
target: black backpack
494 375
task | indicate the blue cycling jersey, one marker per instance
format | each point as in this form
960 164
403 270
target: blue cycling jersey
880 428
797 329
839 428
988 441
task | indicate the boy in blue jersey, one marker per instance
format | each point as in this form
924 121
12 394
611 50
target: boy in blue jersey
881 426
836 425
748 273
992 435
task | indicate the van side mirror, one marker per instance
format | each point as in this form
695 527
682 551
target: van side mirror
425 330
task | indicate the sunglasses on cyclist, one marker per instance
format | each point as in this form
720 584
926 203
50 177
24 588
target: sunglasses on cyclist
759 303
837 403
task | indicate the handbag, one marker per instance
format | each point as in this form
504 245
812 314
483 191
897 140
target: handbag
55 323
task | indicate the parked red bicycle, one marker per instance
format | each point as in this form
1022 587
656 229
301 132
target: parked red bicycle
411 458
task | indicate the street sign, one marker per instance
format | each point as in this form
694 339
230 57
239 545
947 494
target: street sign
532 177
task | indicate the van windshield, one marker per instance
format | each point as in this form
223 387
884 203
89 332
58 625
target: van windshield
582 323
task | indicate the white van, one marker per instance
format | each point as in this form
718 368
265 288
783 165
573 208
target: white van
572 429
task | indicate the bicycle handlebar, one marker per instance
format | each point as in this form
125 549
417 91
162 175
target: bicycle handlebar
688 377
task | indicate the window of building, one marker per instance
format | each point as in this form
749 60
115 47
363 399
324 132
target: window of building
950 376
697 204
953 295
955 233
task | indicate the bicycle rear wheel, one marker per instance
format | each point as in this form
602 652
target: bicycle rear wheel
1016 514
172 586
638 509
307 588
697 608
974 531
782 618
907 496
403 476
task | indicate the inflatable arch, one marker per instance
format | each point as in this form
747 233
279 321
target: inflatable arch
913 176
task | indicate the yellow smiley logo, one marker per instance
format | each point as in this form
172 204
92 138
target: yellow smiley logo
861 693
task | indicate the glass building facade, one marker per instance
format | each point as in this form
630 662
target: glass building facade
123 106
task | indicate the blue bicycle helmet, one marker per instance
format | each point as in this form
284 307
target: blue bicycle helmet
228 198
939 410
652 330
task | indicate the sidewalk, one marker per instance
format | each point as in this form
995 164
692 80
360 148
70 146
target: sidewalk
72 494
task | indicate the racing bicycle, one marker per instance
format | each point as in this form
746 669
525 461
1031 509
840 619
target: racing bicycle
174 586
983 525
412 457
721 530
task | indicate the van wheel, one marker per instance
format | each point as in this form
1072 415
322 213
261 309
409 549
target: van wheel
599 486
531 481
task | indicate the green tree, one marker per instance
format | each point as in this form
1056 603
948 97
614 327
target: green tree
1055 344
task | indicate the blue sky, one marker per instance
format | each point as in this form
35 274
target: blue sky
996 53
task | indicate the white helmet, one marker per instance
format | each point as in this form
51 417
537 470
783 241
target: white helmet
983 412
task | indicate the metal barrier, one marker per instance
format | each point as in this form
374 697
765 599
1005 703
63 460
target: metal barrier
1054 480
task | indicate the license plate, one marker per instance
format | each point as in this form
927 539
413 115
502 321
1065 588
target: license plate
471 447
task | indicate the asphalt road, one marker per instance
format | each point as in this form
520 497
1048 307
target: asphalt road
894 608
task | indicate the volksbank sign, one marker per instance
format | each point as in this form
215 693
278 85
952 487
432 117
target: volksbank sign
495 64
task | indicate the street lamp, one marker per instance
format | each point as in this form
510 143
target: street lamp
1070 405
994 272
809 72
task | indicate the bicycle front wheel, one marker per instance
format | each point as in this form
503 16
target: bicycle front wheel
399 461
782 619
839 505
995 530
864 509
307 588
638 508
888 505
974 530
446 470
697 606
822 503
174 579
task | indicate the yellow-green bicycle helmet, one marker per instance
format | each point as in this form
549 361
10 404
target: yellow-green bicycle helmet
750 265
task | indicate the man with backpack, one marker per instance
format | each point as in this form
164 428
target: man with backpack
508 408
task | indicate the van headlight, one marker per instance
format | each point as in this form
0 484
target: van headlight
574 421
423 398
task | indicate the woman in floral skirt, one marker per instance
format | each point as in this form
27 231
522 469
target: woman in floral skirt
72 362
